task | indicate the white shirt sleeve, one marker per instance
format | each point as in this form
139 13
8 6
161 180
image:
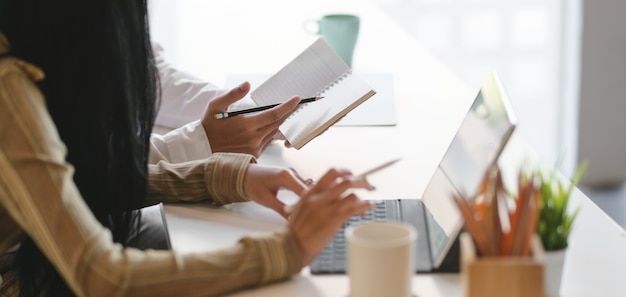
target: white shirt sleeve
184 97
180 137
180 145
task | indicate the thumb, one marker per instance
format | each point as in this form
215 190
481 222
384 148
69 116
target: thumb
235 94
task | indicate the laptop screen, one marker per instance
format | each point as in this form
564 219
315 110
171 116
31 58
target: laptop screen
477 144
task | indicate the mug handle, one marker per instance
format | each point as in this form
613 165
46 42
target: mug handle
312 26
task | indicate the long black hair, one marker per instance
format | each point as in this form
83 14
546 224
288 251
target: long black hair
101 89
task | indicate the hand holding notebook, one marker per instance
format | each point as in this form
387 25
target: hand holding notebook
317 72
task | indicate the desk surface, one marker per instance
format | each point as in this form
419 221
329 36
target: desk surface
594 267
431 102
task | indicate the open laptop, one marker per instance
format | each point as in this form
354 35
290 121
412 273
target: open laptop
476 146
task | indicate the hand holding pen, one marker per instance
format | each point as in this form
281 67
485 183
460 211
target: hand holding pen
223 115
310 182
249 134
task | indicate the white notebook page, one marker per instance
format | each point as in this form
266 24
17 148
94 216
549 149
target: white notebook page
307 75
318 71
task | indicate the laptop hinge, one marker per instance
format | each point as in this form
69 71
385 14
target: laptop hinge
452 261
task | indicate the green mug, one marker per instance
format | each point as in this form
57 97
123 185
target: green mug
341 31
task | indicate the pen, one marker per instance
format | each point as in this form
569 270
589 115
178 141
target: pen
289 208
223 115
378 168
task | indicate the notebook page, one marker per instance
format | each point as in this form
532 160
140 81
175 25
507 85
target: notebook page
313 118
309 73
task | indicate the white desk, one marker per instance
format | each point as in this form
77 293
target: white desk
595 265
431 102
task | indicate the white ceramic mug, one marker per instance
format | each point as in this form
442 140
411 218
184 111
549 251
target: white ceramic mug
381 259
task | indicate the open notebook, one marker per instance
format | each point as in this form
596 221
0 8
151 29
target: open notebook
380 110
318 71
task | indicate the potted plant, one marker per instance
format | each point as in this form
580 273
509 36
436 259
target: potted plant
555 222
541 212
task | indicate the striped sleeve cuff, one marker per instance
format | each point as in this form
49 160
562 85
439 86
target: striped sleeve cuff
224 177
280 255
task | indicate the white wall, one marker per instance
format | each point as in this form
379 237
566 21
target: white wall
522 40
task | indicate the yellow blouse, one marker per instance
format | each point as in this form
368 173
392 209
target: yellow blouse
38 197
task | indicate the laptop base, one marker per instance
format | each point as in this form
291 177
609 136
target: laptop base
333 258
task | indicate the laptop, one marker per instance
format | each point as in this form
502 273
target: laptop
476 146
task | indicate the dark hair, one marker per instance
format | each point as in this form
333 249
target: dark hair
101 89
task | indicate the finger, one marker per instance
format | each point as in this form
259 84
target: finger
351 205
307 181
329 179
280 208
279 136
327 190
293 182
269 121
362 181
288 209
235 94
277 115
273 203
337 192
299 187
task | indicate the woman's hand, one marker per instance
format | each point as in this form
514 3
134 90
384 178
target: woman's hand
324 208
262 184
248 133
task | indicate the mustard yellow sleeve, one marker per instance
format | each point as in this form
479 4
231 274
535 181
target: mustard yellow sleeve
278 252
37 190
218 179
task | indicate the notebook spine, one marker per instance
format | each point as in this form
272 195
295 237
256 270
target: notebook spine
324 90
335 82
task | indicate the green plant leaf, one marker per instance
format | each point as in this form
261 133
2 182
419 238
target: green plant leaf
554 222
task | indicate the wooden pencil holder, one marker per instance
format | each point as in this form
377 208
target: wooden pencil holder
502 276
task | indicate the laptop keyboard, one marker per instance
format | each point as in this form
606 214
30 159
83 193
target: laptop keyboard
332 260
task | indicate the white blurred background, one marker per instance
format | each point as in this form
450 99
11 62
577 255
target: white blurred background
535 45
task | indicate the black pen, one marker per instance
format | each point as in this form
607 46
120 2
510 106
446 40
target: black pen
223 115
